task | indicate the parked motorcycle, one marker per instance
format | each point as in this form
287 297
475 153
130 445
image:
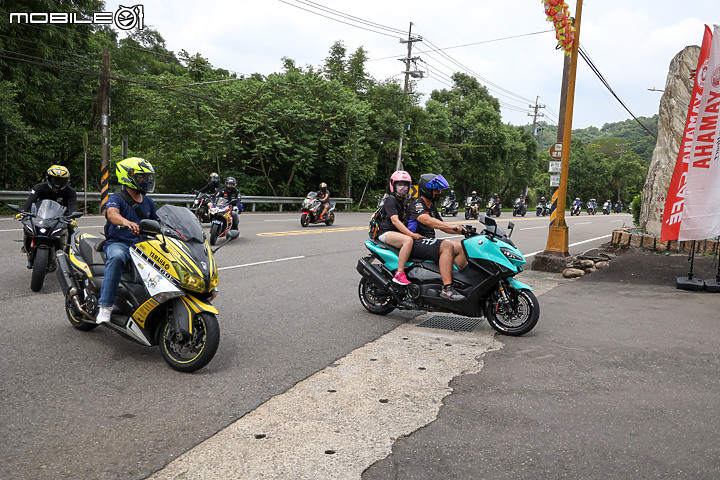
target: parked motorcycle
449 207
220 212
576 208
543 209
200 207
311 211
493 207
45 230
472 208
163 298
607 208
487 282
519 208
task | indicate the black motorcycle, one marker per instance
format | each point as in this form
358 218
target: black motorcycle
493 207
519 208
449 207
542 209
618 207
45 230
200 207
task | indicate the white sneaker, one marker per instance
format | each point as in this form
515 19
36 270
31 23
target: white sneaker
103 315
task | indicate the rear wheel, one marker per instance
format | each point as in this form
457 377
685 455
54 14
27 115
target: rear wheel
76 318
514 320
192 351
39 268
304 220
214 232
372 299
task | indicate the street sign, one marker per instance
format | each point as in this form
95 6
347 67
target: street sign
555 167
555 180
413 191
556 151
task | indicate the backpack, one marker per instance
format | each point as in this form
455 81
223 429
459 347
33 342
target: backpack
377 218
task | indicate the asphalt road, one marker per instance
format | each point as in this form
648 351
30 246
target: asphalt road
93 405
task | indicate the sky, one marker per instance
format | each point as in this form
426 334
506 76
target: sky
506 44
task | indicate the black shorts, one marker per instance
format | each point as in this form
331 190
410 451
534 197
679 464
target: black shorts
427 249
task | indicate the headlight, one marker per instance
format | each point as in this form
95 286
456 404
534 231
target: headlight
189 280
42 230
511 255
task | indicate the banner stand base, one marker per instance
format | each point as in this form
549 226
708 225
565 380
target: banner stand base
712 286
687 283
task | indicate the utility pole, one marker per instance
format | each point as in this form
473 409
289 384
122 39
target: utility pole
407 72
105 128
535 115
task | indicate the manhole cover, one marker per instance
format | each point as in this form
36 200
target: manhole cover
456 324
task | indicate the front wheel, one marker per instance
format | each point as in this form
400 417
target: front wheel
214 233
514 320
372 299
39 268
304 220
192 351
467 215
330 220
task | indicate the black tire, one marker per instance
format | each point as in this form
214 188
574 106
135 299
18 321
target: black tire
519 324
39 269
443 211
537 213
304 220
498 212
214 232
372 300
330 220
467 215
194 351
523 213
75 317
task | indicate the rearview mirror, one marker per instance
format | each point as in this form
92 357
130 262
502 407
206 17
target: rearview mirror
149 226
14 207
511 226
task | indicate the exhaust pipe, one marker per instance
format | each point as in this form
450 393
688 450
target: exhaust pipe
68 282
366 269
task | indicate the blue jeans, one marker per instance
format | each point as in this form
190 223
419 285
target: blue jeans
116 256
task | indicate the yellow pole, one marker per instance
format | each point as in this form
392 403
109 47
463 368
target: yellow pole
558 232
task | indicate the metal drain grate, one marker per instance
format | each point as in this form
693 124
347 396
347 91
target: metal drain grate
456 324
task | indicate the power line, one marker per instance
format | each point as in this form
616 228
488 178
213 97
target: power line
351 17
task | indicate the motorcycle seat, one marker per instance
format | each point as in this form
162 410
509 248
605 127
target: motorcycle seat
88 252
396 251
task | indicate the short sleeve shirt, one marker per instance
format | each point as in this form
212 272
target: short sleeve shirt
392 206
416 208
147 207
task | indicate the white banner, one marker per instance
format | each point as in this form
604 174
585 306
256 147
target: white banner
701 215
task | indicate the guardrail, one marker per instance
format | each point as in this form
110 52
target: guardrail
181 198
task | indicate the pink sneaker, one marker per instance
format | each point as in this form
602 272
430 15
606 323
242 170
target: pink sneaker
401 278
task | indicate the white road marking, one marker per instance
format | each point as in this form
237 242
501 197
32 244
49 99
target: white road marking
262 262
573 244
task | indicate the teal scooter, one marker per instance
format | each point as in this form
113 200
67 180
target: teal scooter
487 282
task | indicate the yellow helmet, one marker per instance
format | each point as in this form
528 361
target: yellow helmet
136 173
58 177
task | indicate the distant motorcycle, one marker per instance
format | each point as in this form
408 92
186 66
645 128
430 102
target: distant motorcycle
493 207
618 207
220 212
200 207
311 211
472 208
575 209
607 208
449 207
591 208
542 209
45 231
519 208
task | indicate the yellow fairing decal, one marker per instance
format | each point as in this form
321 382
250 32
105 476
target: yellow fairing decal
198 306
140 315
156 255
190 307
80 264
182 256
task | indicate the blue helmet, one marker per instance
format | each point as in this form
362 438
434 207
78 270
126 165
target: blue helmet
430 182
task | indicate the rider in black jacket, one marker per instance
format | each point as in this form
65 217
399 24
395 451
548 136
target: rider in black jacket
232 194
213 186
55 188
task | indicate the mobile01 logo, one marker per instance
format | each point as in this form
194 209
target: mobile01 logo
124 18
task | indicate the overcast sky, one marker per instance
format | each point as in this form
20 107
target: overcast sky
506 44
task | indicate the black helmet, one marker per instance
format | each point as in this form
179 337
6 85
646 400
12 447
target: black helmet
430 182
230 182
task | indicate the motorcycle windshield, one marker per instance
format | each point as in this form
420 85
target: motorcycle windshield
179 222
49 209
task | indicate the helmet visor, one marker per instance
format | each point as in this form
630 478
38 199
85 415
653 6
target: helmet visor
145 182
58 183
438 183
